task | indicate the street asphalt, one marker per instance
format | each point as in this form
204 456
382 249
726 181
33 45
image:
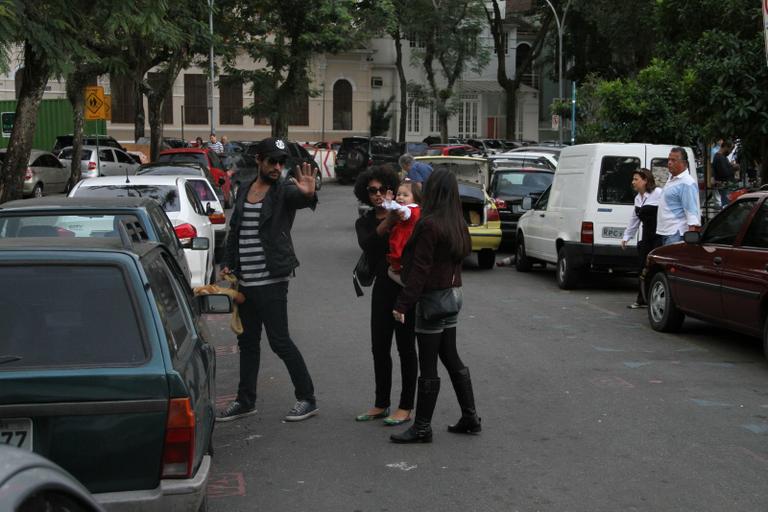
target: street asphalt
584 407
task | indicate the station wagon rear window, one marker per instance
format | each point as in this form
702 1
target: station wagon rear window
180 158
67 316
67 154
166 195
76 226
616 180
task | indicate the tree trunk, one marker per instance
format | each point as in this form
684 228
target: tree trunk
156 103
764 162
139 118
403 87
443 116
76 83
35 76
511 114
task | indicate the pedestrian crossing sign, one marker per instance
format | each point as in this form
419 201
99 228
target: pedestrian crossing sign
95 104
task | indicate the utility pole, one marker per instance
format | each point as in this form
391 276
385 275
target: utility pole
210 78
560 24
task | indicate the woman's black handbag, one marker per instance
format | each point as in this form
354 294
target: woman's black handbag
439 304
362 275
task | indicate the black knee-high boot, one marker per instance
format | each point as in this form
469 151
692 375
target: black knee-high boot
469 423
421 430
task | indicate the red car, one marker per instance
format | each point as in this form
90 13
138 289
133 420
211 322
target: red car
719 275
452 150
206 157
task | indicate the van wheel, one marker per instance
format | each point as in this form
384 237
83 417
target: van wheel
567 276
38 190
663 314
486 259
522 262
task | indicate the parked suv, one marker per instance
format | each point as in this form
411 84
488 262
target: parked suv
358 153
63 141
107 367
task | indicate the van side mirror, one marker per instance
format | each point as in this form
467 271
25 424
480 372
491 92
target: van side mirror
692 237
214 304
526 204
200 243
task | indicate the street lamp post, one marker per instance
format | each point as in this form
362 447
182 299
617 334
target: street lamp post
561 93
210 85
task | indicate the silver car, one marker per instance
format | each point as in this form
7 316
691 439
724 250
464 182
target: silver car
101 161
44 174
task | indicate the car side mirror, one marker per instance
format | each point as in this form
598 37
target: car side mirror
526 204
214 304
200 243
692 237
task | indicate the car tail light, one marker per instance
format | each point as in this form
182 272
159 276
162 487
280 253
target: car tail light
91 166
370 162
29 174
491 214
500 204
587 233
185 233
179 446
217 218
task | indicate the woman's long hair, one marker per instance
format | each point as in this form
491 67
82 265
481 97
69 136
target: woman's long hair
442 206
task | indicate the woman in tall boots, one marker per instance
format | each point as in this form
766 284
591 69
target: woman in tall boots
432 265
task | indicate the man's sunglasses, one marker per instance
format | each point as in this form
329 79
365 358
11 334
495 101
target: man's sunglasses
380 190
276 161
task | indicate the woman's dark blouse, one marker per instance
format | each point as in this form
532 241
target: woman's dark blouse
374 246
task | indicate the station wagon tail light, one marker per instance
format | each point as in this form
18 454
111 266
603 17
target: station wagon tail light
587 233
29 174
179 446
217 218
492 214
91 166
501 204
185 233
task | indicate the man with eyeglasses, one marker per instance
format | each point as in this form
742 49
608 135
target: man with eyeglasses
679 203
259 252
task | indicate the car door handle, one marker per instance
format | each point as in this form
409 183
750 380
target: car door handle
542 215
717 260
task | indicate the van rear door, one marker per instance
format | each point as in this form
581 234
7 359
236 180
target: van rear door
80 380
615 196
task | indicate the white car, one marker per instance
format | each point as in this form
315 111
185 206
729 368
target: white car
107 161
202 181
525 159
180 203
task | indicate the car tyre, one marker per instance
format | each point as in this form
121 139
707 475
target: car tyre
567 276
38 190
522 261
486 259
663 314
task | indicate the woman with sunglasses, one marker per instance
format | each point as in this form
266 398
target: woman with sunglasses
373 230
432 264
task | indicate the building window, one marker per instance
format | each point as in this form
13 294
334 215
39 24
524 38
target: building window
123 101
434 120
414 41
195 99
298 111
468 116
342 105
412 117
230 100
153 79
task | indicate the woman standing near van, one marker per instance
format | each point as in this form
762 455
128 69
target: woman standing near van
432 266
644 213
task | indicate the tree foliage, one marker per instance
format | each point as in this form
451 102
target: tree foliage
380 116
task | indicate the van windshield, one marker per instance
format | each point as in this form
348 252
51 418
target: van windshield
616 180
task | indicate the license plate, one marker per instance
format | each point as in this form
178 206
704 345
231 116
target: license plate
16 432
613 232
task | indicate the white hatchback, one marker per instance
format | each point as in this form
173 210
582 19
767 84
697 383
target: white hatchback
179 201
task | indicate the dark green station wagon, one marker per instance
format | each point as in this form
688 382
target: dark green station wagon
106 369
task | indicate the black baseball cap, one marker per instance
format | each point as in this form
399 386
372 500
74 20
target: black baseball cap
272 147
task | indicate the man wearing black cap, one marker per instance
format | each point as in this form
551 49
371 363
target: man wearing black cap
259 252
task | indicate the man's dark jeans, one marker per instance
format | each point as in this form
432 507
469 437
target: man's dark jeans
268 305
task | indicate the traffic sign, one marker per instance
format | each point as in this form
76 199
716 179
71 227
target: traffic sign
7 119
94 103
108 107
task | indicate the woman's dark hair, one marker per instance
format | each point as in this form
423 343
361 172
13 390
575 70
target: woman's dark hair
386 175
647 175
415 191
443 206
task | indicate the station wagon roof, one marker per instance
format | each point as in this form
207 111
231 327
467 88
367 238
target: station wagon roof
77 203
120 181
68 244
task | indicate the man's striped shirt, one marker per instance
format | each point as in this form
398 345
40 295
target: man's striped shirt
253 265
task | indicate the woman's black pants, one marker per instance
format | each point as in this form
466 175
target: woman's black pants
383 325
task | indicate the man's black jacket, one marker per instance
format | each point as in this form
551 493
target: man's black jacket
277 213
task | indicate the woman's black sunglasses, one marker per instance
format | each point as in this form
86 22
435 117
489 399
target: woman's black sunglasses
380 190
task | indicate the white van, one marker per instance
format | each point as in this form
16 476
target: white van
579 221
